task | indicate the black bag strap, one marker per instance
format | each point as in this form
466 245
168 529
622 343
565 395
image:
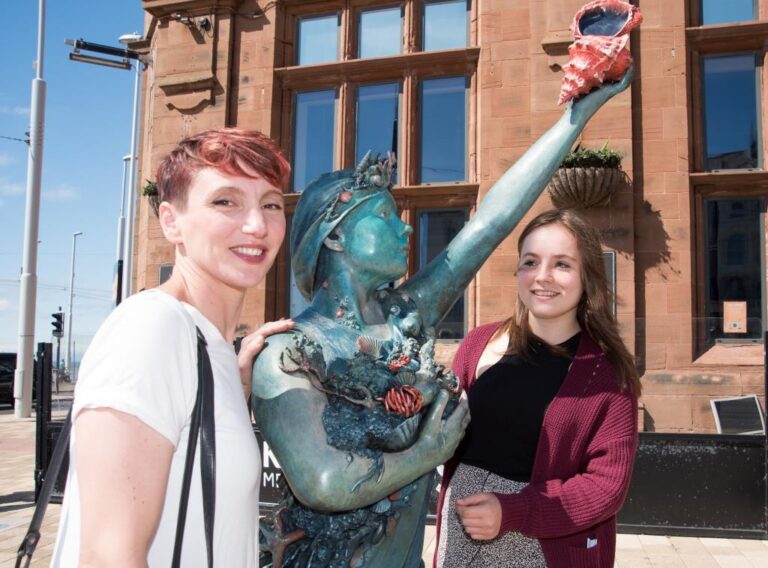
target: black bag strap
201 413
29 543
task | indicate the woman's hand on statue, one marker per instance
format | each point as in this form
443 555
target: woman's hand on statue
584 107
480 514
439 438
252 344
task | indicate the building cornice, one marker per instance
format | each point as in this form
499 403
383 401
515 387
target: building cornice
166 8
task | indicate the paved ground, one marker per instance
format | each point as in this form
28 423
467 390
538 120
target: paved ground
17 462
17 486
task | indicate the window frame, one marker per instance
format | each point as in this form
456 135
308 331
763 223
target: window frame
702 41
422 21
726 185
416 245
356 31
292 122
696 14
698 107
716 196
408 69
355 107
418 139
318 15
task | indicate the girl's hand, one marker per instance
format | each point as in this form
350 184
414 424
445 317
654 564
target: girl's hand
252 345
480 514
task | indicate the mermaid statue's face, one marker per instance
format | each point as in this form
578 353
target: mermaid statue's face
374 240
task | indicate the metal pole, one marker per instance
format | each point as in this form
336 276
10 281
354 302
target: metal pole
58 346
130 212
71 296
22 387
119 258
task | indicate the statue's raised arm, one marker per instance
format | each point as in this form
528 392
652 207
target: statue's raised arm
437 286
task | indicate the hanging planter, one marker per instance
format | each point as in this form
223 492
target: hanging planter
587 178
150 192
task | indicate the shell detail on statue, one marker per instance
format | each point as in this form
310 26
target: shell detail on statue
599 52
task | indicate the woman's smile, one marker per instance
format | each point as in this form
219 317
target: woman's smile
249 254
544 294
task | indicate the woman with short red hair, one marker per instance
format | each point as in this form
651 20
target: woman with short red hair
222 209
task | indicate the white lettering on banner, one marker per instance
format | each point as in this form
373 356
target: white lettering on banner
269 457
271 479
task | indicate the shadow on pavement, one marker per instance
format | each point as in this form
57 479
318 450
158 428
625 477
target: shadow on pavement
16 501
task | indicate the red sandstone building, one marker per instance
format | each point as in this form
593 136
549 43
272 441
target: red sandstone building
460 89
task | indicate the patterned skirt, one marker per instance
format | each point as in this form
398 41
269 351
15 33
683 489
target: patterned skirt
457 550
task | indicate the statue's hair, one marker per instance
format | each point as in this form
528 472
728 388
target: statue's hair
594 312
323 206
234 151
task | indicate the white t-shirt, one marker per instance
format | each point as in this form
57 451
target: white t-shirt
143 361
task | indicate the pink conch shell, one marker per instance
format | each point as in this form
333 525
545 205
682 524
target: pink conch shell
595 59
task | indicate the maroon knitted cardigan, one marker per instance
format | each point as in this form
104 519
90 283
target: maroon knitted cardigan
583 461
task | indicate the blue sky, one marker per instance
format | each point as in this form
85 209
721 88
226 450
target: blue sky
87 133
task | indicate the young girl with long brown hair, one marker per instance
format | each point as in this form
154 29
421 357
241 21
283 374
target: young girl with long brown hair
548 456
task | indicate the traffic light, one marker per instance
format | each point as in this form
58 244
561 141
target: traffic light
58 324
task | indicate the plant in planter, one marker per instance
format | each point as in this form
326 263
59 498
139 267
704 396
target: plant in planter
150 192
587 177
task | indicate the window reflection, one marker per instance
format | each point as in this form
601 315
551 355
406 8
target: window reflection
727 11
380 32
318 39
734 265
730 112
377 119
437 227
313 136
445 24
443 129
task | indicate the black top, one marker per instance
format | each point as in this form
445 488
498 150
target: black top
507 404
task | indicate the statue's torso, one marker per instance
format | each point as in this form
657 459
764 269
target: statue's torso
366 370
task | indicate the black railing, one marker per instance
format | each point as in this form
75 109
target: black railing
47 429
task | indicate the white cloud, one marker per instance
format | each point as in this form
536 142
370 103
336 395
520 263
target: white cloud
10 188
6 160
61 193
15 110
4 304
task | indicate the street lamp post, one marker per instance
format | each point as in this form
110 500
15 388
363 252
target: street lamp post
71 297
125 235
130 210
22 386
118 289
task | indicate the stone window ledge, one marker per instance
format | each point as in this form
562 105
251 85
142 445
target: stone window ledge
724 354
425 63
